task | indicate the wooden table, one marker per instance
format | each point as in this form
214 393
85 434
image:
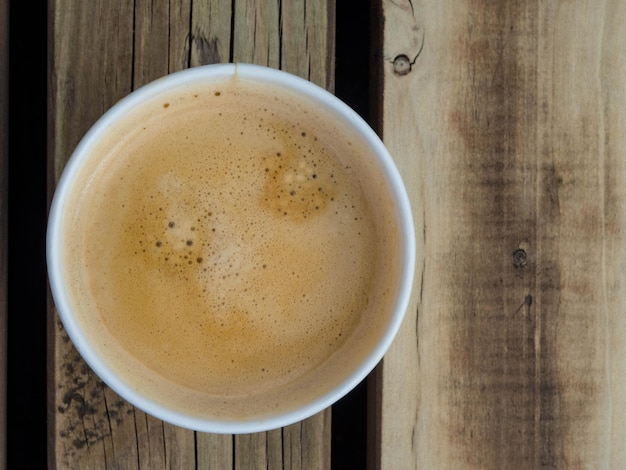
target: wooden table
508 123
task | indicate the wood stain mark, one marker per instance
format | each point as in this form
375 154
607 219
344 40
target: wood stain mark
86 415
207 49
503 398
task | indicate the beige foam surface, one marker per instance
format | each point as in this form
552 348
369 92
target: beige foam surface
227 245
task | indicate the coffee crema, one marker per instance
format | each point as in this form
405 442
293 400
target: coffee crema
224 238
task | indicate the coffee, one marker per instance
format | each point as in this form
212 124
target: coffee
223 242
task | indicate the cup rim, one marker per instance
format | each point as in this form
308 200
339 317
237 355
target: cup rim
210 72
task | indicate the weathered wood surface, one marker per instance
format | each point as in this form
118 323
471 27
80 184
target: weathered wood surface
510 129
100 51
4 182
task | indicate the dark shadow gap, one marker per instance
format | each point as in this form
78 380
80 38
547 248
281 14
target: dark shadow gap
352 85
26 375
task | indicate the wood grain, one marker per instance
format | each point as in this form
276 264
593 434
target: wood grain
4 184
508 122
101 51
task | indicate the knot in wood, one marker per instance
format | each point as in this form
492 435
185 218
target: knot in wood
520 258
401 65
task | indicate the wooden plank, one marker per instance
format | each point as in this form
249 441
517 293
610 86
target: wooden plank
99 53
508 121
4 182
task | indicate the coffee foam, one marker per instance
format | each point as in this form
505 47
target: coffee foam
247 256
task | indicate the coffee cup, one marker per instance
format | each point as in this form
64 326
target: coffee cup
231 248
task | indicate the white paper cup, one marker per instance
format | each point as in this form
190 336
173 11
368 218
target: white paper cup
350 371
